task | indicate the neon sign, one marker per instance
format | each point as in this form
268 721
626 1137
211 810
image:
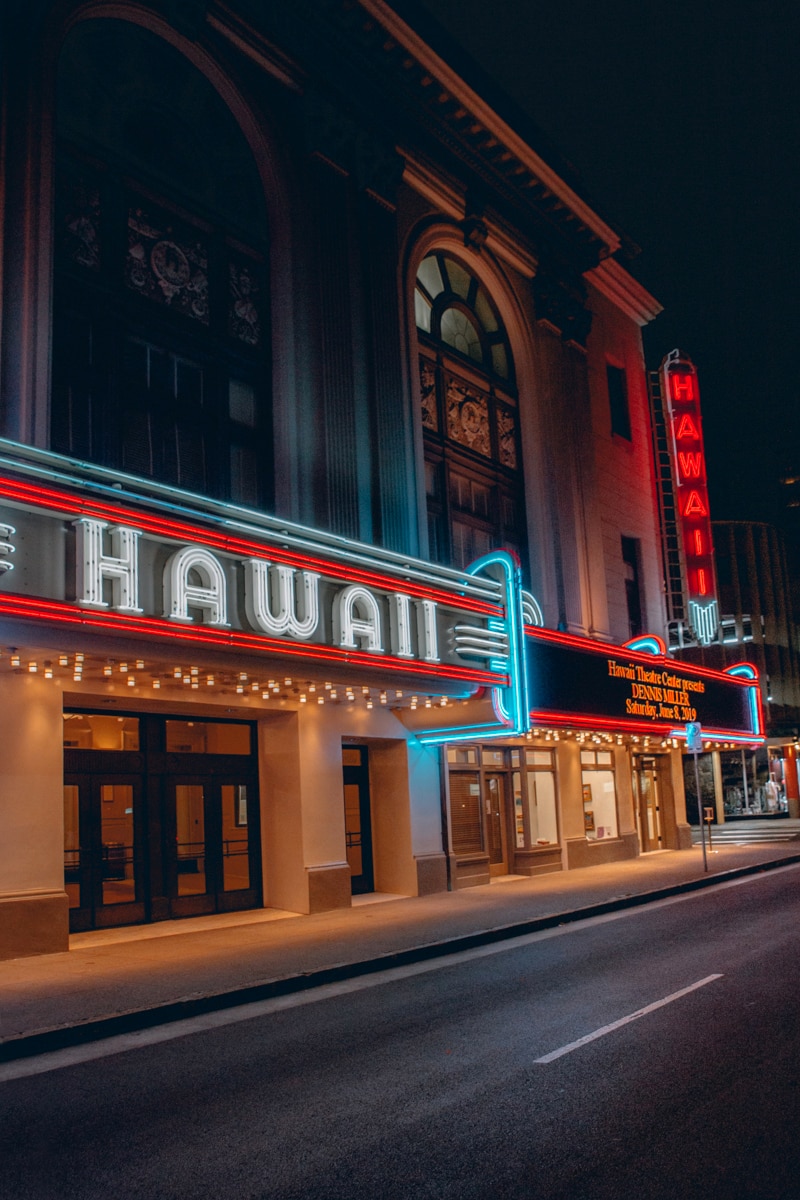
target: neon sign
124 559
120 569
637 689
683 401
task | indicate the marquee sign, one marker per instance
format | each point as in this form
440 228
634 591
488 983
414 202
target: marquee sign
688 456
125 559
78 553
578 682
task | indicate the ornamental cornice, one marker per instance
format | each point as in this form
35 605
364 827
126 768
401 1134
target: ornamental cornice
617 285
463 109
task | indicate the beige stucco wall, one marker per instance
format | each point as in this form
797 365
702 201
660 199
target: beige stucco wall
303 832
625 496
33 904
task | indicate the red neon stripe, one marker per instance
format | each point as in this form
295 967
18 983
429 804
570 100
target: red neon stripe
605 648
654 729
65 502
54 610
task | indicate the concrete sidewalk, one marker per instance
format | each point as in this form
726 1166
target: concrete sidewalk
114 981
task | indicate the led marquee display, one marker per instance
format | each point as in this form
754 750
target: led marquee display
574 681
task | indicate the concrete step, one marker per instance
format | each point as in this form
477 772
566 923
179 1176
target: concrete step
742 836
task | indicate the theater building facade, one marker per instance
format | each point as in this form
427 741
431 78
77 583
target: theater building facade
329 544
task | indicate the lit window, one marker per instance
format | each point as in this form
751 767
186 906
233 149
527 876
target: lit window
469 417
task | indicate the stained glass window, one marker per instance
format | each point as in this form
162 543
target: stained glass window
468 412
159 315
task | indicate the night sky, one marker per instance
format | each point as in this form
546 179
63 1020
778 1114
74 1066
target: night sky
683 122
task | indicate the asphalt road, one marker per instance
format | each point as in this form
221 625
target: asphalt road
431 1084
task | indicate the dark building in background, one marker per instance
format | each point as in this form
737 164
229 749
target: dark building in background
729 592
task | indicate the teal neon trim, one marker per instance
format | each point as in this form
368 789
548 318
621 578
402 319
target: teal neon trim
511 703
743 671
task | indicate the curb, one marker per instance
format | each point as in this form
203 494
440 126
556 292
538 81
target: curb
31 1045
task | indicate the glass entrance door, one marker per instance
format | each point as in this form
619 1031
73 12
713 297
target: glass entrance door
161 818
357 819
102 850
211 863
496 833
648 805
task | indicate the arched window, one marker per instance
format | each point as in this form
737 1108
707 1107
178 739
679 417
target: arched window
160 321
473 469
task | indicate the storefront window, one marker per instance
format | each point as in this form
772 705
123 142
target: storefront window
465 812
599 794
705 774
479 798
541 797
752 783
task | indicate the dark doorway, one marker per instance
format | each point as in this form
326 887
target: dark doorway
357 818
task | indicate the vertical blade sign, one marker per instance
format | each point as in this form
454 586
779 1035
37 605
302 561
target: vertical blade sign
688 456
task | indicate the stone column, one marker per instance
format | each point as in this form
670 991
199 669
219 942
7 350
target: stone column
34 912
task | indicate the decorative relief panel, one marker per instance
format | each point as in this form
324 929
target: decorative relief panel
80 227
507 437
427 391
244 321
167 263
468 417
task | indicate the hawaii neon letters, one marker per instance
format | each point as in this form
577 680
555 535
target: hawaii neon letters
279 600
683 399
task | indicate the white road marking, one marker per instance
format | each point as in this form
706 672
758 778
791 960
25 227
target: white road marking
71 1056
634 1016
